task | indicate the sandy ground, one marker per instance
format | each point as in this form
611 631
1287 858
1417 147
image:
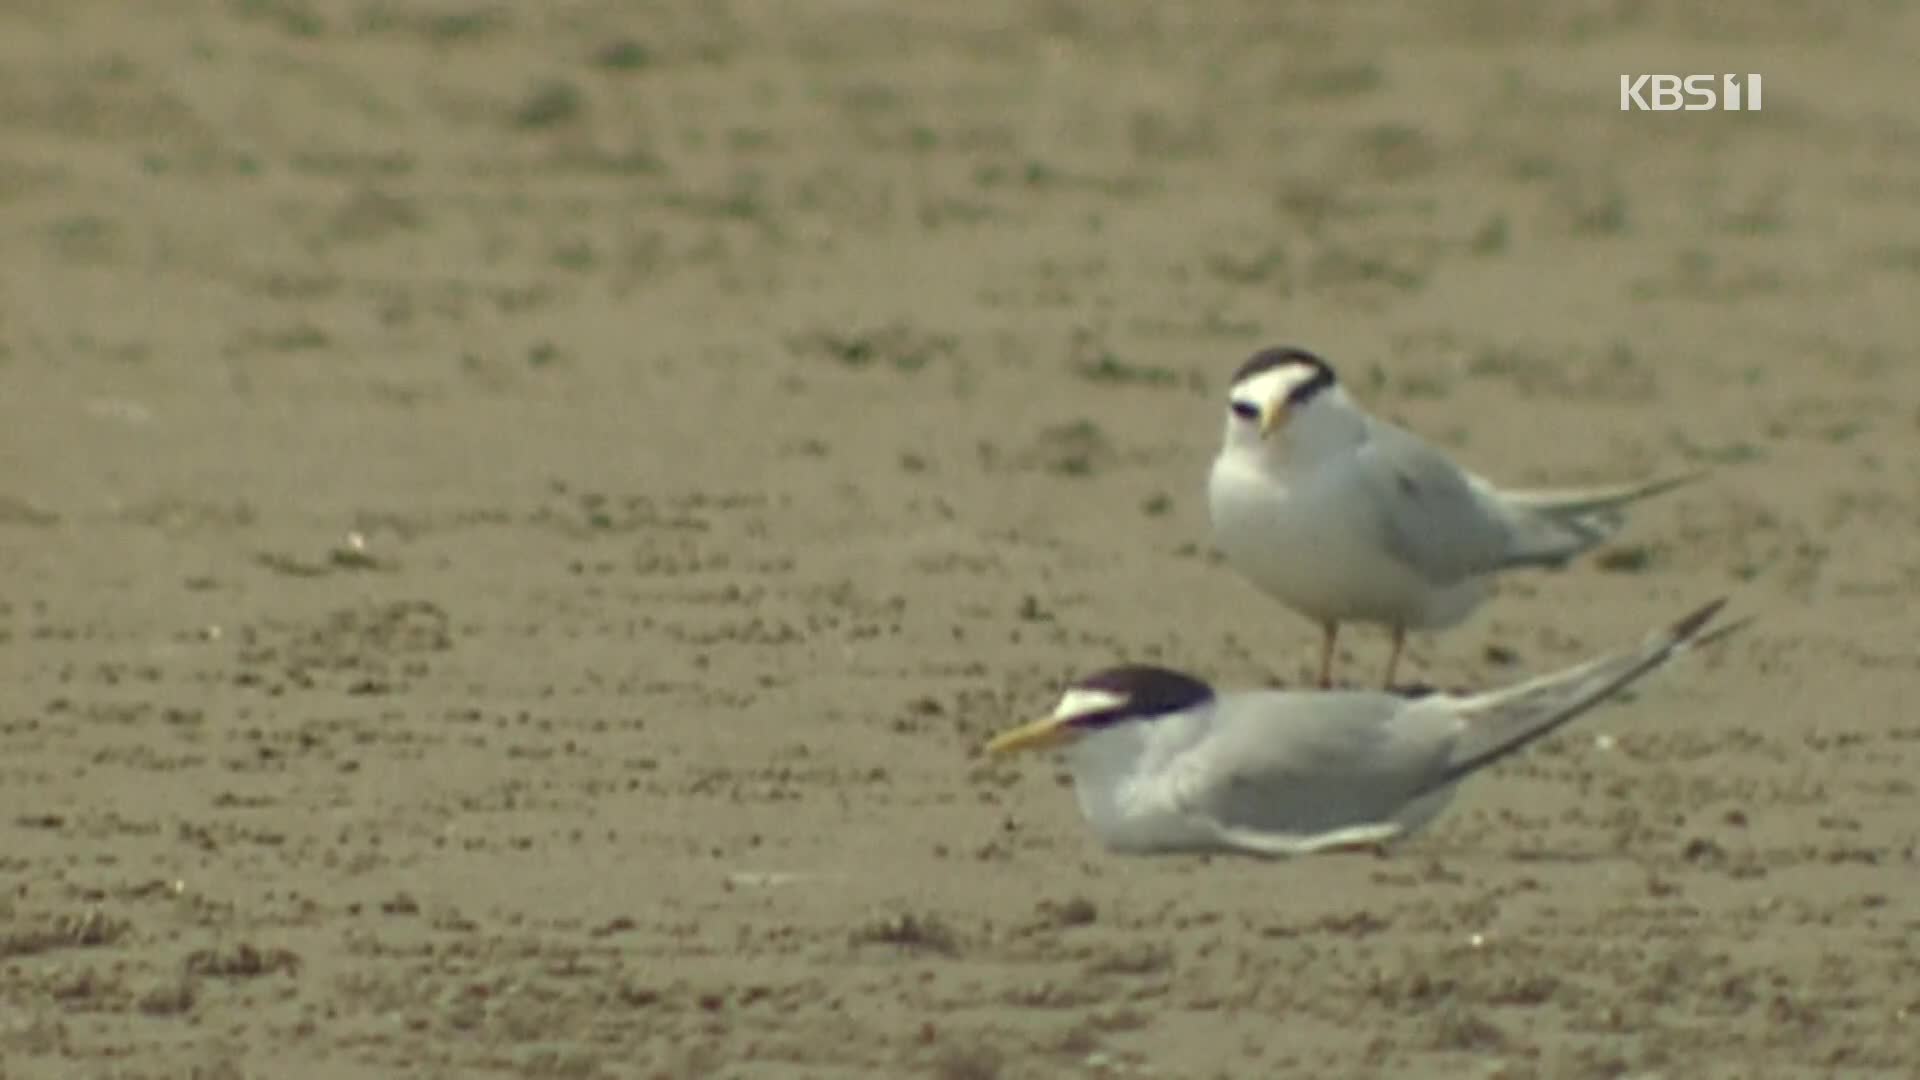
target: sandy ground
516 518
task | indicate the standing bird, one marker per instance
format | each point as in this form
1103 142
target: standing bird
1346 518
1161 762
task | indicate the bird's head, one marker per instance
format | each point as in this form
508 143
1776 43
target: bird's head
1276 391
1105 700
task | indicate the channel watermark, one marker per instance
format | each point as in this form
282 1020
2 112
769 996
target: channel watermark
1693 93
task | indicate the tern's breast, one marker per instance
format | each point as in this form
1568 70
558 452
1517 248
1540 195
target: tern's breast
1318 550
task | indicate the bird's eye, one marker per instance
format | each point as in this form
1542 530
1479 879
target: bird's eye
1246 410
1099 718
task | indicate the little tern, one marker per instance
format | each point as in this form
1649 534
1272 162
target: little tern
1346 518
1162 762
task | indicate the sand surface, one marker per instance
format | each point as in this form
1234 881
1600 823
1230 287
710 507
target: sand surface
516 518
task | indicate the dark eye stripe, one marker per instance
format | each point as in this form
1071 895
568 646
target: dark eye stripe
1147 690
1321 379
1280 356
1099 719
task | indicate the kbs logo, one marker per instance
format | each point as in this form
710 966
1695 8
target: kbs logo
1694 93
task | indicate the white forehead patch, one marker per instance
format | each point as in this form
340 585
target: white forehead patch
1081 702
1273 384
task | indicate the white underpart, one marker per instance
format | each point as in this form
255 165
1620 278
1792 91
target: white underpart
1302 537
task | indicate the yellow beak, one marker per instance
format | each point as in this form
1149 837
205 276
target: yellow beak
1273 419
1038 735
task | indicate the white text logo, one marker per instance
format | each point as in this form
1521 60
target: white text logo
1694 93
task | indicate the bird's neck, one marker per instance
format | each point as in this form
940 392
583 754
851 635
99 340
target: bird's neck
1120 774
1328 426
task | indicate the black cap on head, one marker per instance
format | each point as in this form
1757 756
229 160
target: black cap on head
1281 356
1147 691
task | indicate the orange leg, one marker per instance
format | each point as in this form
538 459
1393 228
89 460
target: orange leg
1393 658
1328 631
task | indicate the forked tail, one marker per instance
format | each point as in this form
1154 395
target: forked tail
1502 722
1553 525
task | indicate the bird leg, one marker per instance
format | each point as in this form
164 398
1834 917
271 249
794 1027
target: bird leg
1328 631
1393 657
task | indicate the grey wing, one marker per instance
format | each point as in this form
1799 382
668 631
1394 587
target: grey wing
1432 514
1289 773
1502 722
